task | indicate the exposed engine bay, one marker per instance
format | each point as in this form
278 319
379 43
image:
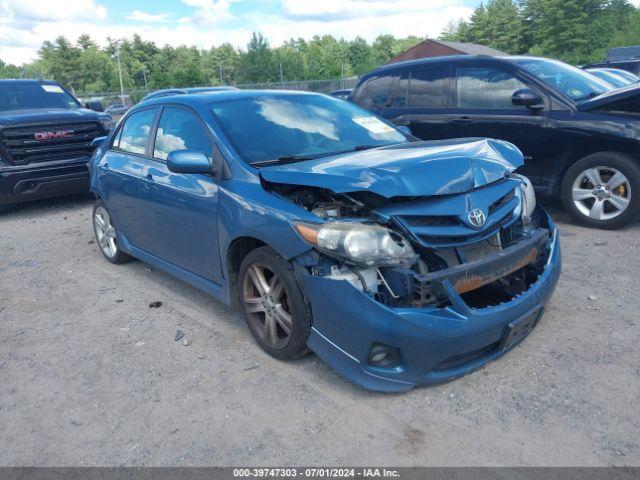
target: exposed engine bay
485 265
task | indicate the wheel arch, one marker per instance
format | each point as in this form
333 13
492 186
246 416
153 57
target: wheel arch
238 249
570 157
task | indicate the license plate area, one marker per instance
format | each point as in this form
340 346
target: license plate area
480 250
518 329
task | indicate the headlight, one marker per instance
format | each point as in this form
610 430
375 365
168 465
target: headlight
365 245
527 197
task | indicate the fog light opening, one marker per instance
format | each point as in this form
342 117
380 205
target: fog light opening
382 355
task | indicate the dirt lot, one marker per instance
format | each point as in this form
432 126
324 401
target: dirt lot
90 375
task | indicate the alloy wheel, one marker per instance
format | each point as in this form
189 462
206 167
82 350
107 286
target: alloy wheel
105 232
266 304
601 193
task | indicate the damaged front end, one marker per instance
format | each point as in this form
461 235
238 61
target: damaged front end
420 290
413 252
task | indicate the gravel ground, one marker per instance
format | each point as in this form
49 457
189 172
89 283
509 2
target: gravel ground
91 375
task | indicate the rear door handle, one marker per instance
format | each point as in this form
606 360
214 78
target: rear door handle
149 177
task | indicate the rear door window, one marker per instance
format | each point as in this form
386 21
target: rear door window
428 88
486 88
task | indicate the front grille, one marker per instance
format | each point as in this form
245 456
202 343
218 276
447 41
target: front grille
502 202
431 221
450 231
21 147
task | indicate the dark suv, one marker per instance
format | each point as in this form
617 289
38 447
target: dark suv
46 140
580 138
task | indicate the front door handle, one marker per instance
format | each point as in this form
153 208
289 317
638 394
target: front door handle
463 121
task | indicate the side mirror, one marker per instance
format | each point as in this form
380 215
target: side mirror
96 142
188 161
96 106
527 98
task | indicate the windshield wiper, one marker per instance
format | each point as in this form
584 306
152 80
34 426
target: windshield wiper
284 159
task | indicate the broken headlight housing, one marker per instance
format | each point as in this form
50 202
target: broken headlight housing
527 196
362 244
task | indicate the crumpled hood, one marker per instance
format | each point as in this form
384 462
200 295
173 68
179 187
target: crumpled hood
413 169
624 93
46 115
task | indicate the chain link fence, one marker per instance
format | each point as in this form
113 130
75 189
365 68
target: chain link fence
131 97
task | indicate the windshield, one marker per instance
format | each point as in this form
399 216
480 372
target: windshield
274 126
18 96
573 82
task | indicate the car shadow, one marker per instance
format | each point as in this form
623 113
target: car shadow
554 207
36 207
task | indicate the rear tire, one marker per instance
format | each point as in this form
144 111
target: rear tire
602 190
273 304
106 234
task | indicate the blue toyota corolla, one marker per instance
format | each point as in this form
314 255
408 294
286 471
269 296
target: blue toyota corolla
397 262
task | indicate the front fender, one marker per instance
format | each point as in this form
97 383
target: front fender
247 210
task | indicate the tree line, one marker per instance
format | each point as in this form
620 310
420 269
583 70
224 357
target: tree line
83 66
576 31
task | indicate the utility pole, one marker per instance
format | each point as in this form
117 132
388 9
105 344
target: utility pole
281 77
220 72
120 73
342 77
144 76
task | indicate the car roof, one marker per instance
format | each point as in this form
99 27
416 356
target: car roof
205 98
184 91
28 80
446 59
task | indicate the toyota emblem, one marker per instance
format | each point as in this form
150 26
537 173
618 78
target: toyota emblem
477 218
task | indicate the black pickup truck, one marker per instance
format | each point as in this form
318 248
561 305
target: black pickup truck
46 140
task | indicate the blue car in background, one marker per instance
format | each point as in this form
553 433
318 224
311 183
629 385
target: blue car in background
398 263
614 76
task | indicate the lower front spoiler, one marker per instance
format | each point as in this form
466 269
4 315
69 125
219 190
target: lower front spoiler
39 181
435 344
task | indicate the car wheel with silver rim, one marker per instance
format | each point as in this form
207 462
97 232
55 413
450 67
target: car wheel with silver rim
106 234
274 307
601 190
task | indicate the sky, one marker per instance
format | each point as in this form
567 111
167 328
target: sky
25 24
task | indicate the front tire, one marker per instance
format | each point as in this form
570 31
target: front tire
106 234
274 307
602 190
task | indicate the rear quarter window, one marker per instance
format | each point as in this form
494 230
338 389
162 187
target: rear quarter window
375 92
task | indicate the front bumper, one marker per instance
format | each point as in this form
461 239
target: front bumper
435 344
32 182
